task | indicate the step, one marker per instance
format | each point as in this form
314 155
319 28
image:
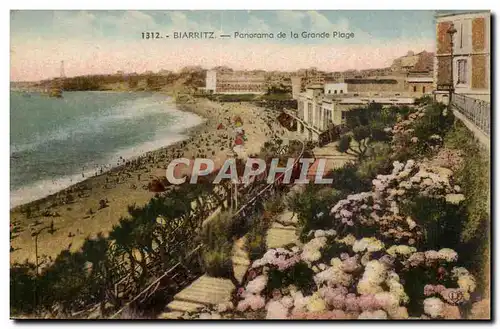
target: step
239 272
207 290
288 217
276 238
279 226
240 260
174 315
184 306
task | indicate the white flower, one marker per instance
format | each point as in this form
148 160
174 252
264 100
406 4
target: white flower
374 274
316 303
369 244
411 223
387 300
454 198
348 240
331 232
319 233
401 250
375 315
257 285
310 251
396 288
287 301
398 313
433 306
299 301
465 280
448 254
333 275
276 310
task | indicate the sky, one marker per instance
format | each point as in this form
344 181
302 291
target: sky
92 42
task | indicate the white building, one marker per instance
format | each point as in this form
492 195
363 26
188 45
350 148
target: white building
317 111
335 88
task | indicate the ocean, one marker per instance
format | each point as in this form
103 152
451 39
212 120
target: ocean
57 142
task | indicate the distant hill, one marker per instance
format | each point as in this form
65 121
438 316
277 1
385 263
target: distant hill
187 80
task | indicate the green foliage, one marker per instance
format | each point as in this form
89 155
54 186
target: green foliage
274 205
366 125
474 179
76 280
256 239
312 207
424 100
217 241
348 180
300 275
442 221
23 288
436 121
218 231
475 183
217 261
378 162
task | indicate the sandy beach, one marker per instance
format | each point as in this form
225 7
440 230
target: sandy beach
75 210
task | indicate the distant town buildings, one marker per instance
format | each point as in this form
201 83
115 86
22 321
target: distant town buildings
471 55
235 82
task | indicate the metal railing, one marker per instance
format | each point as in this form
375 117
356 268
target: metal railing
475 110
245 214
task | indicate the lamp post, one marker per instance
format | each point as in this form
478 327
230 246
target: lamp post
35 234
451 31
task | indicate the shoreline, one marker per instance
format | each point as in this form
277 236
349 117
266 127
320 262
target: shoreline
187 133
75 210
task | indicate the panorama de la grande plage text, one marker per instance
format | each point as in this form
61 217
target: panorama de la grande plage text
152 35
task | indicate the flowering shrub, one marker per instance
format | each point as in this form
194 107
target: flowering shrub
364 283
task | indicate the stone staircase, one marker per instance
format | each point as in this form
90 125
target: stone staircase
240 259
203 292
283 231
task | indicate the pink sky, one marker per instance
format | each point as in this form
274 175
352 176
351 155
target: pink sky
40 59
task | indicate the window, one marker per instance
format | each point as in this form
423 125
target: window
461 35
327 118
344 115
462 71
414 89
423 89
309 113
329 91
341 91
335 91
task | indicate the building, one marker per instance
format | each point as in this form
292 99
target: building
335 88
470 56
318 108
235 82
422 85
376 85
296 86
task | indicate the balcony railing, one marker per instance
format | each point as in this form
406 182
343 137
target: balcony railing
475 110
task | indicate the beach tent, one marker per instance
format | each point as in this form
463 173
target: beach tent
237 121
239 140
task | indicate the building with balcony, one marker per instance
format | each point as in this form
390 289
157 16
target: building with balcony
470 57
464 71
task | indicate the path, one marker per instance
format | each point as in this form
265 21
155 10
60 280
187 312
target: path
283 231
205 291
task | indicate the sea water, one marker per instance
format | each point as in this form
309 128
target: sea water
57 142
